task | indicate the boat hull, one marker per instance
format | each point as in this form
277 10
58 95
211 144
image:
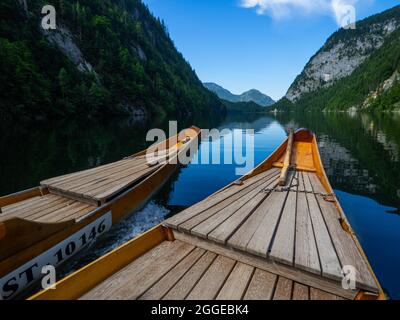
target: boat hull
53 242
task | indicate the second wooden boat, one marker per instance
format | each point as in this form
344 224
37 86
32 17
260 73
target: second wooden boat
51 223
277 233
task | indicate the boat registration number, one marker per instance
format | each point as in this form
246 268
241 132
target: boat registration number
27 274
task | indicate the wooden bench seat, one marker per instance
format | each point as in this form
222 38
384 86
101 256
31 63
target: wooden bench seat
49 208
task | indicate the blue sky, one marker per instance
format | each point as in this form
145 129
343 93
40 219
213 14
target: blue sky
261 44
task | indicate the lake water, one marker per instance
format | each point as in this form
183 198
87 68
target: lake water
361 154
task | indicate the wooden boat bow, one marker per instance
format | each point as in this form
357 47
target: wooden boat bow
253 239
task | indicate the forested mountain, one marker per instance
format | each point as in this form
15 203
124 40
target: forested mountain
221 92
105 57
252 95
355 69
243 107
257 97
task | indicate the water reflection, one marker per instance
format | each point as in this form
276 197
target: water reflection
32 152
197 181
361 154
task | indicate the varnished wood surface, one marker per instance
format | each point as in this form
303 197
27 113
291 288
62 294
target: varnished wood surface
101 183
177 270
49 208
293 225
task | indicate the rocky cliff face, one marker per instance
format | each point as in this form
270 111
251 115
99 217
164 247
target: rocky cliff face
383 88
343 52
64 40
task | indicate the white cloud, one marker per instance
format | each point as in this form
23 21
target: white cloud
284 8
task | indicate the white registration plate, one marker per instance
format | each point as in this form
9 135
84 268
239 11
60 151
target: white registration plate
17 280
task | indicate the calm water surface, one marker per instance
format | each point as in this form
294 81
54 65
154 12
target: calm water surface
361 154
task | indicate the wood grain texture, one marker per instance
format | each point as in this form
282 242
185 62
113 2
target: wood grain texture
119 185
65 212
101 174
241 238
284 242
300 292
329 261
306 253
261 286
29 207
255 235
82 174
18 205
267 265
237 282
101 182
49 209
158 290
228 206
213 200
103 178
303 155
135 279
212 281
316 294
283 290
183 287
243 235
224 231
212 222
262 237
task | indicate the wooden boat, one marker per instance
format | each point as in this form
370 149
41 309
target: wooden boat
51 223
277 233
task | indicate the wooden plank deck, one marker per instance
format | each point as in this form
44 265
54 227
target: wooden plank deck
293 225
49 208
72 196
99 184
177 270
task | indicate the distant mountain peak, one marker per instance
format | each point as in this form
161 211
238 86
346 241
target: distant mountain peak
253 95
253 91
